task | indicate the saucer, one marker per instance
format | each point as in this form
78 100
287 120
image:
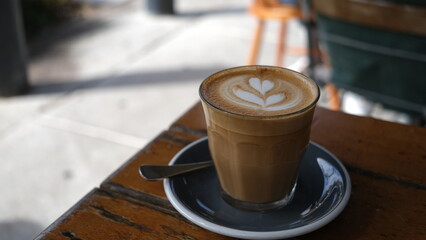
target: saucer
323 190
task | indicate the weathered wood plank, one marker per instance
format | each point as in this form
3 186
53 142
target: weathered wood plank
386 163
159 151
378 209
102 216
192 122
385 148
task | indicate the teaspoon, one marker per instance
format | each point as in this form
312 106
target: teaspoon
159 172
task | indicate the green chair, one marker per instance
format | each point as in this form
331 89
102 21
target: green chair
377 49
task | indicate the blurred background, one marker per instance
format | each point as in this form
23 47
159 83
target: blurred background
85 84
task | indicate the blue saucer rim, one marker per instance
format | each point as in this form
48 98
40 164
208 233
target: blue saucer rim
245 234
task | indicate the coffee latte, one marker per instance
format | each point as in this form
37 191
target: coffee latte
260 91
258 123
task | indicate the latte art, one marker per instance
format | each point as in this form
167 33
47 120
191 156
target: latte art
267 95
259 91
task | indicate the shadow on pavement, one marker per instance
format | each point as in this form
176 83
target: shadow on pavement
223 11
19 229
134 79
46 40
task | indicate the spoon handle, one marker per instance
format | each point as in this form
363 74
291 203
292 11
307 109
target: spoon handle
159 172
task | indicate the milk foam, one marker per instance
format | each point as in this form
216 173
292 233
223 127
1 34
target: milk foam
260 92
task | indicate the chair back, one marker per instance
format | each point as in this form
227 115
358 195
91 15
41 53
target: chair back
377 49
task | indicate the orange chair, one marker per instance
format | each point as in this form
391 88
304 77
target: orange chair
275 10
271 10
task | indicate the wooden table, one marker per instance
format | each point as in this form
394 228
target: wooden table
386 162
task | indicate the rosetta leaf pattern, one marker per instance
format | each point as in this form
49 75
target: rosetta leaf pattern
262 87
249 97
274 99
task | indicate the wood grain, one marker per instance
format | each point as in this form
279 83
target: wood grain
191 122
386 163
160 151
378 209
389 149
105 216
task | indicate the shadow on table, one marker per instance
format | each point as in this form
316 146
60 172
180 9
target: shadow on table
19 229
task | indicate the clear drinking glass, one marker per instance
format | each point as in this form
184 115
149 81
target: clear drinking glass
257 157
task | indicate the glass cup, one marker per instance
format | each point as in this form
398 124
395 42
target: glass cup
257 157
